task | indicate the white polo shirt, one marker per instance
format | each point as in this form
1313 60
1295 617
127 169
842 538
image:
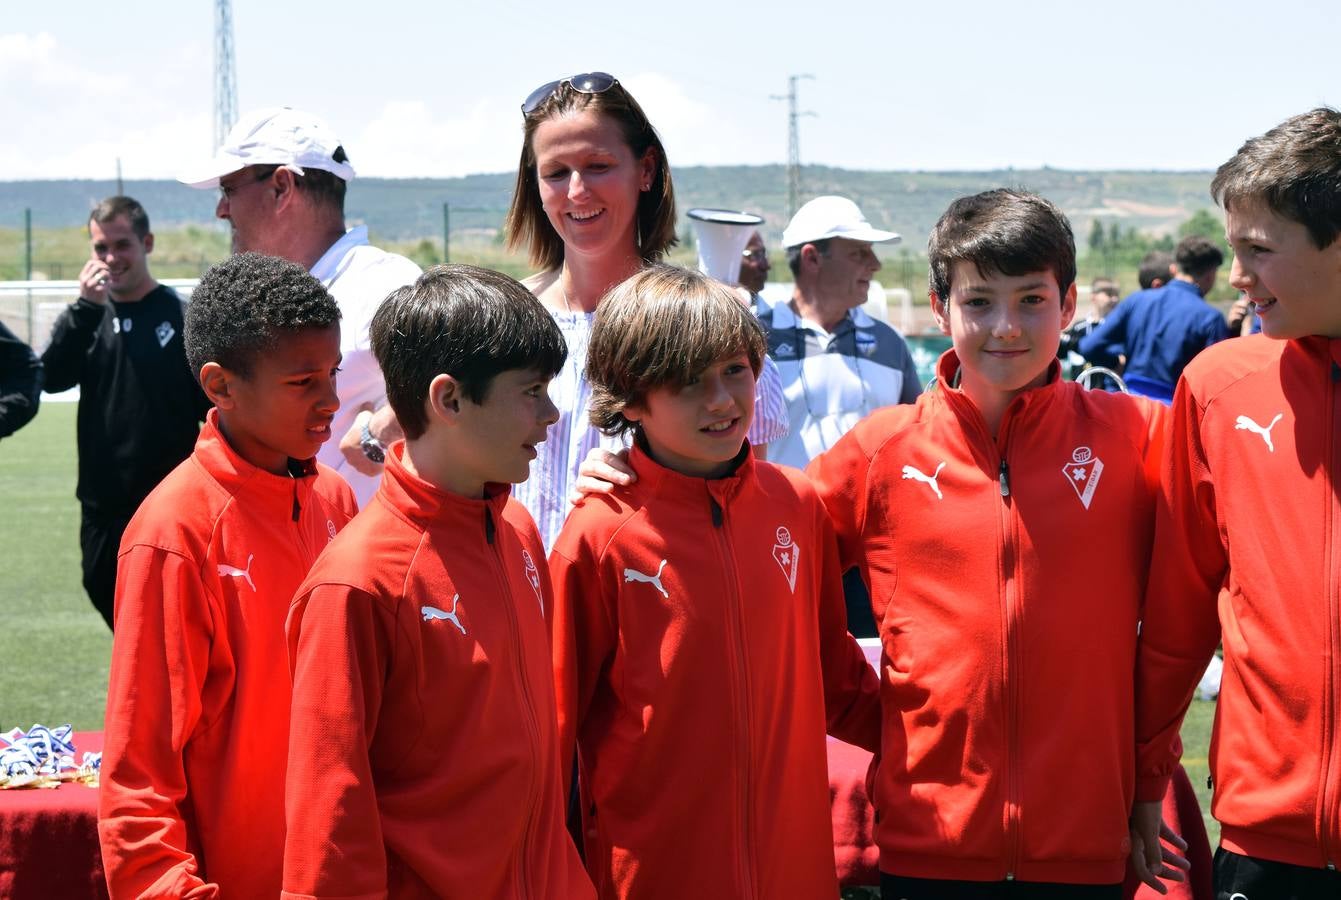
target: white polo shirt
830 380
359 276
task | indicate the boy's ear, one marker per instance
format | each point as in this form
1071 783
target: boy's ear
219 385
941 310
1069 306
148 243
633 412
444 399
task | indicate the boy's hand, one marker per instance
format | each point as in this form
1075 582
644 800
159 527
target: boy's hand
93 281
600 473
1238 312
1151 860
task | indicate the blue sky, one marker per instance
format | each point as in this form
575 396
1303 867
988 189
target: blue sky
419 88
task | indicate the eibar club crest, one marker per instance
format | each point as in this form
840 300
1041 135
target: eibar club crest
1083 472
787 555
533 576
164 333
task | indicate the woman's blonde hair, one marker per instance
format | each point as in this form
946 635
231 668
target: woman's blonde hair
662 328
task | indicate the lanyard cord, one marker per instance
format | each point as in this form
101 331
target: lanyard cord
804 350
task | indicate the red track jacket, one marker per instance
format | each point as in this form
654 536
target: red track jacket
1248 550
192 800
424 761
1006 577
701 650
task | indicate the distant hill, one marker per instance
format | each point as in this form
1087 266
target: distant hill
906 202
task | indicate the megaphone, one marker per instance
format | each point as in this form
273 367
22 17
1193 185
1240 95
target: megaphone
721 235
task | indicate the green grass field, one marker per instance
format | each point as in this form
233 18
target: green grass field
56 648
54 645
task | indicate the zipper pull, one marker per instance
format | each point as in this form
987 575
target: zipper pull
1336 372
488 526
296 508
1003 475
716 512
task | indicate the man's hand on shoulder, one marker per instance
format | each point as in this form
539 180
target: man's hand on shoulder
600 473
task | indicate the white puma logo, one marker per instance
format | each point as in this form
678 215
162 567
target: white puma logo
1243 423
235 572
930 480
653 580
432 612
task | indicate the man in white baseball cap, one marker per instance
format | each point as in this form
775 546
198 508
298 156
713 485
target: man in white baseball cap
281 176
837 363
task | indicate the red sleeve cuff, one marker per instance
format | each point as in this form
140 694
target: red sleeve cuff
1151 788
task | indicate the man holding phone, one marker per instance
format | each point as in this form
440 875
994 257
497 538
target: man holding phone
140 406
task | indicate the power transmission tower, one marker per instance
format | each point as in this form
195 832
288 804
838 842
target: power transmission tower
793 144
225 75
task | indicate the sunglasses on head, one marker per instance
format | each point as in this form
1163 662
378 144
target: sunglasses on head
586 83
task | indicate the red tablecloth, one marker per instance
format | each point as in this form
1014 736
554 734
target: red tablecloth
858 858
49 838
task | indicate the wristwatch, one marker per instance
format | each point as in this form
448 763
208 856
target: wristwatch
372 448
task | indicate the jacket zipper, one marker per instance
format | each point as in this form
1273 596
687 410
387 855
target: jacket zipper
305 552
500 574
740 677
1327 817
1011 661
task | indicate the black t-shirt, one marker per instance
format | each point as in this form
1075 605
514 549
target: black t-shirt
140 407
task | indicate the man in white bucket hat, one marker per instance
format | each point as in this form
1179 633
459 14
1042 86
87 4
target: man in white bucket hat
281 175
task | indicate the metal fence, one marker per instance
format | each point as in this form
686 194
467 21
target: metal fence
30 308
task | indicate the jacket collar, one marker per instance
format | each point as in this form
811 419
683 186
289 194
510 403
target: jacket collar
1186 287
1324 349
428 506
947 385
657 480
237 476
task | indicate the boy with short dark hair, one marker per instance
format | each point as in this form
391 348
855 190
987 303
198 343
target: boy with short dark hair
699 630
1007 644
198 702
1246 546
424 760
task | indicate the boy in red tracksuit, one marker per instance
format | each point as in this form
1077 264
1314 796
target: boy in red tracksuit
198 701
424 760
1248 533
1008 638
699 628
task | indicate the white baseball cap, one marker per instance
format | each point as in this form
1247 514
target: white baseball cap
275 136
831 217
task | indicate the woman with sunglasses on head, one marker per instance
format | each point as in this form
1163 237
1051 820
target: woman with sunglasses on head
593 204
